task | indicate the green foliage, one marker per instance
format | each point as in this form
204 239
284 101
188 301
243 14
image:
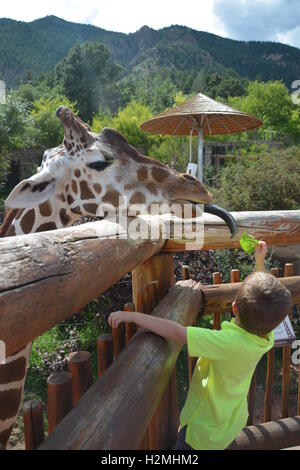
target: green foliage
269 182
47 131
128 122
14 121
84 73
272 103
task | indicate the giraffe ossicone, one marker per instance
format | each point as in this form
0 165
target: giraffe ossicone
76 178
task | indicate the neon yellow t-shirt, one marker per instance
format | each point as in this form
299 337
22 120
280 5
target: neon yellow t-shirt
216 408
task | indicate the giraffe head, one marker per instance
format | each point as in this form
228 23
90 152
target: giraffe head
88 171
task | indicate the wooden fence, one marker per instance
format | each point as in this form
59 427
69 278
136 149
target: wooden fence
133 404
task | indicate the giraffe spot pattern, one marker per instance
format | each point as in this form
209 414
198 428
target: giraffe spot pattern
62 197
91 208
47 226
28 221
4 435
74 187
76 210
97 188
112 197
151 188
9 403
77 173
64 217
45 209
160 174
137 198
142 173
13 371
85 191
70 199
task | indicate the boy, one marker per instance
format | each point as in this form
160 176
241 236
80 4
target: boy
216 407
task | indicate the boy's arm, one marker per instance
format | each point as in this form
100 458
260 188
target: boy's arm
166 328
260 254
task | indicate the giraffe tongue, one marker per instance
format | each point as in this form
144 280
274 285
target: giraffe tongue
224 215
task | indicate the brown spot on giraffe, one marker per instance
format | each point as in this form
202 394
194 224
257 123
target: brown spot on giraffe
9 403
64 217
4 435
76 210
77 173
142 173
11 231
137 198
45 209
19 213
97 188
151 188
70 200
46 227
91 208
13 371
112 197
160 174
130 186
74 187
27 221
85 191
61 197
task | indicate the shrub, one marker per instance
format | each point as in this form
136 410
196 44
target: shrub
269 182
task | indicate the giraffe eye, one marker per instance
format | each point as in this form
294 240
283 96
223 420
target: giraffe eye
99 165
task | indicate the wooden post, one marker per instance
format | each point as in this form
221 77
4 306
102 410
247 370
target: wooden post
190 360
286 359
105 353
235 275
251 399
130 328
217 279
160 268
269 385
270 373
33 419
118 337
80 367
59 398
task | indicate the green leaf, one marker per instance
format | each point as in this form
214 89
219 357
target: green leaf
248 243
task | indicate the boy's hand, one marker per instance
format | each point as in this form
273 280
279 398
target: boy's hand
260 254
115 318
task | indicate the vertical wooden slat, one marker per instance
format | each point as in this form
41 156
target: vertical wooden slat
286 359
130 328
270 373
235 275
190 360
34 432
105 353
251 399
80 366
161 268
59 398
269 385
118 339
217 279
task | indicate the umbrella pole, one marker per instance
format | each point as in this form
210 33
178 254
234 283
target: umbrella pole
200 154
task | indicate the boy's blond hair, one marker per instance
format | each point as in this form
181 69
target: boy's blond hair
262 303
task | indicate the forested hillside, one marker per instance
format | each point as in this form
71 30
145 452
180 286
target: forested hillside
27 49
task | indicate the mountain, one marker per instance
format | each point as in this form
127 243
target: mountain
37 46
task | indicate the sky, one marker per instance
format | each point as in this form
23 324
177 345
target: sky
274 20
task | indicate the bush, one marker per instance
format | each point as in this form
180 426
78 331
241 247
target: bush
269 182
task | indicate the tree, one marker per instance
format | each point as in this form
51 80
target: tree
272 103
47 131
83 73
14 123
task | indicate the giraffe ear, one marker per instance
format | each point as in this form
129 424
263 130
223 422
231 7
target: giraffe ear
31 192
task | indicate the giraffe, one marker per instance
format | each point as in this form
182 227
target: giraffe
74 179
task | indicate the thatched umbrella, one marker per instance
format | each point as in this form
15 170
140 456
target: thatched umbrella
201 116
